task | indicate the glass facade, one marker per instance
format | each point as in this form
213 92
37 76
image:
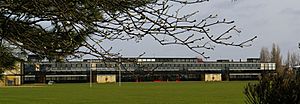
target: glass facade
144 69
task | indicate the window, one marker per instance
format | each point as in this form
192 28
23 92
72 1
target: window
172 65
139 60
100 65
208 65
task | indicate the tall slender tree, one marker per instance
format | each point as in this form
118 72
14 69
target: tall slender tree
288 62
276 57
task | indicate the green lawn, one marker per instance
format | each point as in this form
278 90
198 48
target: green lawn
128 93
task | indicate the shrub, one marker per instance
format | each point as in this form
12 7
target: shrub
274 89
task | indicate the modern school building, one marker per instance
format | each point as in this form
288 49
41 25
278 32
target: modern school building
144 69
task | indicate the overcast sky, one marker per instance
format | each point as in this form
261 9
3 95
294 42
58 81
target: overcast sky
273 21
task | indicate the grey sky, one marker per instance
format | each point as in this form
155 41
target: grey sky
273 21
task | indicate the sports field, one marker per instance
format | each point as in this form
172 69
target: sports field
129 93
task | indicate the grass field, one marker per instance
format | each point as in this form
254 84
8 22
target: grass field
129 93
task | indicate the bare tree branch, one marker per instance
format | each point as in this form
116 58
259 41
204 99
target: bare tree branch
62 28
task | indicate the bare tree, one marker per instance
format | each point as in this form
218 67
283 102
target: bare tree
264 55
288 62
295 59
61 27
292 59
